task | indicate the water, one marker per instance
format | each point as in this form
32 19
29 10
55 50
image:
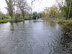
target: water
31 37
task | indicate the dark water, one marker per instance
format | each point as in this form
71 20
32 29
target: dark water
31 37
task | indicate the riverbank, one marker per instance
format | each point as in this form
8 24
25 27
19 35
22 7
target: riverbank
13 20
4 21
63 21
10 20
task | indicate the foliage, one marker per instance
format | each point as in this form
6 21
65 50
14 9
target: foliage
51 12
34 14
69 5
3 21
65 8
10 7
38 15
22 6
3 16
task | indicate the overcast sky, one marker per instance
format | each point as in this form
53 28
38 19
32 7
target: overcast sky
38 5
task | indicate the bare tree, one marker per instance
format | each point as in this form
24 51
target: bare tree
23 6
10 7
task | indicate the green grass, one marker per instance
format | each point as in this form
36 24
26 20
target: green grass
10 20
18 20
27 18
61 19
14 20
65 22
3 21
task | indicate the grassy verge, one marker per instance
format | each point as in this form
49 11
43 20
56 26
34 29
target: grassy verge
10 20
27 18
4 21
14 20
65 22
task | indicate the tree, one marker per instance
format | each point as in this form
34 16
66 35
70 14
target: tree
10 7
62 8
22 5
69 7
65 8
51 12
34 15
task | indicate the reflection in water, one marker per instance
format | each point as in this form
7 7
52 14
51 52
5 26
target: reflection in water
23 22
30 37
12 27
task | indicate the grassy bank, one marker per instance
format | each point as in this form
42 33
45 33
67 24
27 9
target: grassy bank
27 18
14 20
10 20
4 21
63 21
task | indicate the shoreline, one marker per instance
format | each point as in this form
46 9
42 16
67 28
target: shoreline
64 22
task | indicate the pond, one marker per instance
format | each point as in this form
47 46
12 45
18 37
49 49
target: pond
35 37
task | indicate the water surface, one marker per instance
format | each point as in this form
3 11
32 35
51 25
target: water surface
31 37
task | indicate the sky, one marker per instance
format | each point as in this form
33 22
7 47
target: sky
38 5
2 6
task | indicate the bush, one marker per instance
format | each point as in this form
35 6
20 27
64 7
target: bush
63 18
